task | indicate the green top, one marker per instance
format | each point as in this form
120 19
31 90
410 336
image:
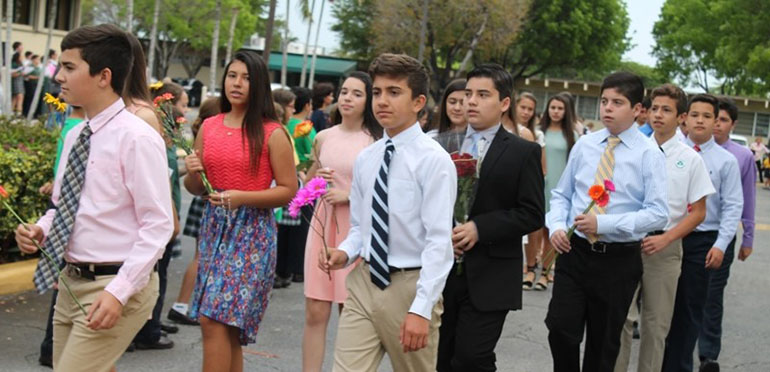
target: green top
303 146
68 124
555 160
176 191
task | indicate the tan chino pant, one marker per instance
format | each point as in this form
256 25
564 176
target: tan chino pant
370 324
658 290
79 348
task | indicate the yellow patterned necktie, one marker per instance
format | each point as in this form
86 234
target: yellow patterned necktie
604 172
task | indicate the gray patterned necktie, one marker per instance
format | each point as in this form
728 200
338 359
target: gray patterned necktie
72 185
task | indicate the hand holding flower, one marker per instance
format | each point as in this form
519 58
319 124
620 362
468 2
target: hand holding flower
335 196
586 223
560 241
26 237
336 259
230 199
465 237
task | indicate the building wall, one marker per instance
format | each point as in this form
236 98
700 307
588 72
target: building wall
33 36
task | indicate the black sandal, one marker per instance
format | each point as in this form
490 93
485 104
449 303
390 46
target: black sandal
528 283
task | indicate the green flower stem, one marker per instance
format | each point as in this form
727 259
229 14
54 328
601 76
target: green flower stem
552 257
49 258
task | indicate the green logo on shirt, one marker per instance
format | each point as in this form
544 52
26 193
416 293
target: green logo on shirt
680 164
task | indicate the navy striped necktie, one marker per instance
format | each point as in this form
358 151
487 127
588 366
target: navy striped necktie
378 255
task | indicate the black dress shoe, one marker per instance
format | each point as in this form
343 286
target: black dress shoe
181 318
169 328
708 365
281 282
45 360
162 343
130 349
298 278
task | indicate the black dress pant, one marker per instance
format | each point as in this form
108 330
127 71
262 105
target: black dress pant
468 336
691 295
291 243
150 332
592 293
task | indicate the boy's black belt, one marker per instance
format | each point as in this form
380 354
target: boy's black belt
603 247
394 269
91 271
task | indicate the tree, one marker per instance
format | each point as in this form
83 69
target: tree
354 24
153 37
269 31
307 14
7 75
686 37
129 15
215 46
231 33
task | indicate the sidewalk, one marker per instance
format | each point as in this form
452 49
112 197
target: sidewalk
523 346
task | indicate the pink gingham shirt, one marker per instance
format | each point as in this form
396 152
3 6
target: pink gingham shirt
124 215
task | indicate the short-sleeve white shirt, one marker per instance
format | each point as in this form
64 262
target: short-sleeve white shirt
688 179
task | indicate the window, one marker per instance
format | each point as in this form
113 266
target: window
763 121
745 124
64 19
587 107
23 11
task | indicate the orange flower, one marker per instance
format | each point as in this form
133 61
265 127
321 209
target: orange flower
3 193
303 129
596 192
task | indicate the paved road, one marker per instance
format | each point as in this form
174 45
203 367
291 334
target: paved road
522 347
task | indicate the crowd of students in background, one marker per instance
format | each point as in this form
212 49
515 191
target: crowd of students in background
26 70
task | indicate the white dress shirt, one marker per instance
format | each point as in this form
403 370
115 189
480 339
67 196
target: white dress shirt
688 179
487 136
422 186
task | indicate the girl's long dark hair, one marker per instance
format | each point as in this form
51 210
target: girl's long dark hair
443 119
259 107
567 122
136 88
370 124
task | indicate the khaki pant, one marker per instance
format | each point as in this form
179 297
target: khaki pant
370 324
79 348
658 290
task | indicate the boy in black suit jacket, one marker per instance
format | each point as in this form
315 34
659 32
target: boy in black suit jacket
508 204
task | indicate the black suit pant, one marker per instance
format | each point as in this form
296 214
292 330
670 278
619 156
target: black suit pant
592 293
468 336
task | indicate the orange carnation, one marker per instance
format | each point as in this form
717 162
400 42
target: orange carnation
303 129
596 192
3 193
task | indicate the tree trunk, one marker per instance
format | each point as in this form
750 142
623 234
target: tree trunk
153 40
269 32
215 48
315 47
7 75
285 46
423 29
307 45
233 21
39 86
474 43
130 16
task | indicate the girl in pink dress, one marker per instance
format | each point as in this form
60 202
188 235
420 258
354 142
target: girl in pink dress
335 152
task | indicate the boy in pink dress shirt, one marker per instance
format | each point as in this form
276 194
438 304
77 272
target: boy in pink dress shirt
113 208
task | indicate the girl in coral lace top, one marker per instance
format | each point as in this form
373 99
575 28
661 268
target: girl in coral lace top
243 150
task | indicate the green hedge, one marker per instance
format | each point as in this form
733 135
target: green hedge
27 154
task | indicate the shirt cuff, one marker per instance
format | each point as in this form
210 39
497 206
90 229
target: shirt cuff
121 289
352 257
605 224
421 307
722 243
556 226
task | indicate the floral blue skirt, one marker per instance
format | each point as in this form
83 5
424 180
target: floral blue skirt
236 268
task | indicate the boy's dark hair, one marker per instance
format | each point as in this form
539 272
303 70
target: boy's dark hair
51 53
284 97
303 97
705 98
320 92
502 79
674 92
647 102
27 54
402 66
729 105
15 45
629 85
103 46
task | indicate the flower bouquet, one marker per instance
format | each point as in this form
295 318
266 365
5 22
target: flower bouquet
172 130
303 129
3 196
467 175
314 189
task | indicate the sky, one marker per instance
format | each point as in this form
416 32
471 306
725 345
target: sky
642 13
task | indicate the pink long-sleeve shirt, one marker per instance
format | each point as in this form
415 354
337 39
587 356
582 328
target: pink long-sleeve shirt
124 215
